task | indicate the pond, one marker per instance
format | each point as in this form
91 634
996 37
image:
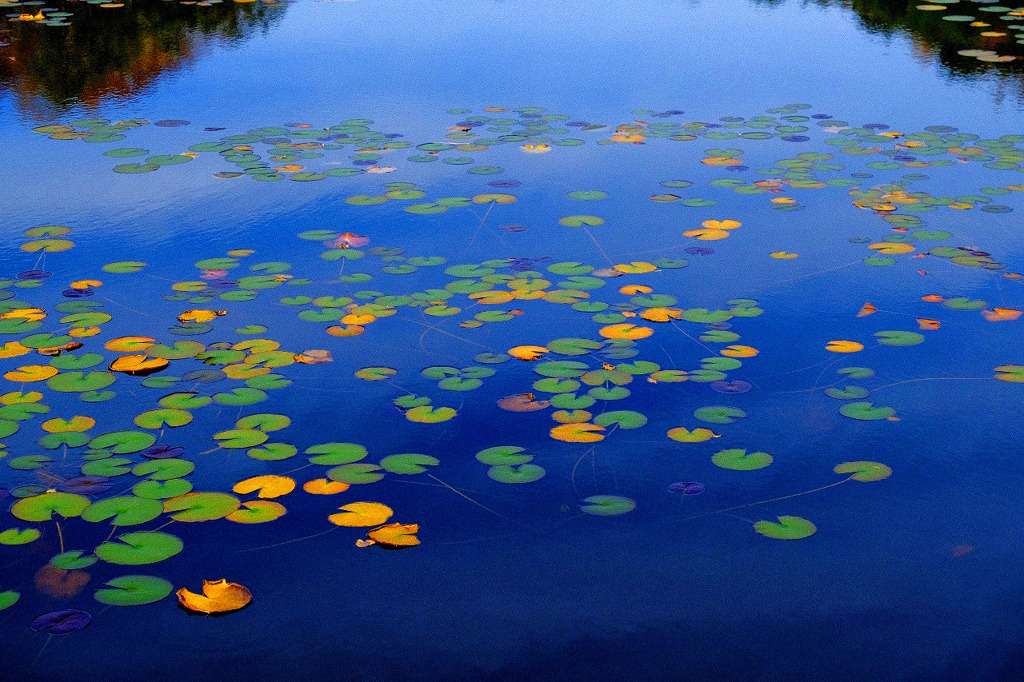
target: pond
506 340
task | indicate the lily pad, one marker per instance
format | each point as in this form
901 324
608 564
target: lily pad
195 507
134 590
739 460
123 511
788 528
607 505
864 471
717 414
500 455
524 473
137 549
865 411
408 463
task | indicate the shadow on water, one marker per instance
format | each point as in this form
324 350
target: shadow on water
114 53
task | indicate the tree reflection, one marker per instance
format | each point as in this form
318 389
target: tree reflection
115 52
936 38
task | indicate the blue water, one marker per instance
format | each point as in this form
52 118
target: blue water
908 578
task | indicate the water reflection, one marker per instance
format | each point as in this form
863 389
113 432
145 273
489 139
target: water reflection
980 26
110 52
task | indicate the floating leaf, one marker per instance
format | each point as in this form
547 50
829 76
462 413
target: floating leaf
698 435
355 473
43 507
134 590
788 528
136 549
898 338
219 596
865 411
395 535
361 514
719 414
194 507
739 460
407 463
267 487
60 622
503 455
17 536
524 473
578 433
123 511
428 415
607 505
257 511
864 471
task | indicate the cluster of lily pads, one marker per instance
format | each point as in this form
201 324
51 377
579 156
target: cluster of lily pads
61 475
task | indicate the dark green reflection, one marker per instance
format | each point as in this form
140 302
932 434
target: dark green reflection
939 38
114 52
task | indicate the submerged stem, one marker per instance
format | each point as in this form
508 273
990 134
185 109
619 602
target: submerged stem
463 495
774 499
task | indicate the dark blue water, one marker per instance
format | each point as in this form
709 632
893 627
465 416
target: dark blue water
910 577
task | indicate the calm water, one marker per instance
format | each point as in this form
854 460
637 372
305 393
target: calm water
349 177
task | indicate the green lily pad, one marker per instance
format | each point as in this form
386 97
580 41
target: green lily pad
601 393
570 401
705 316
626 419
179 350
848 393
524 473
123 511
857 372
864 471
109 466
581 220
355 473
73 560
8 599
80 382
264 422
124 267
334 454
500 455
375 373
185 400
162 490
238 439
865 411
158 419
164 469
134 590
718 414
123 442
17 536
71 362
29 462
740 461
428 415
137 549
240 396
43 507
408 463
788 528
195 507
897 338
607 505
